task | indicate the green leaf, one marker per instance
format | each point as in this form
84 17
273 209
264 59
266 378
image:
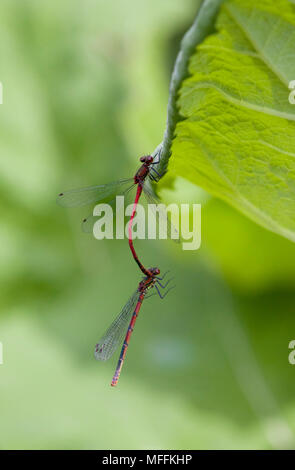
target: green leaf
202 26
237 138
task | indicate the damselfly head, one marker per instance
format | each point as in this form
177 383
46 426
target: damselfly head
155 271
147 159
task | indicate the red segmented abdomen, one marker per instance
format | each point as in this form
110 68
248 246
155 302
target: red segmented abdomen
127 339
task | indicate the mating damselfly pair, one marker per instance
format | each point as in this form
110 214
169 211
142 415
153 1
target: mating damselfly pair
105 348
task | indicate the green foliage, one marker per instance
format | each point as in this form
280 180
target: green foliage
85 93
237 138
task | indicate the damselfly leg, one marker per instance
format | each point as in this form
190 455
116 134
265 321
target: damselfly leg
162 296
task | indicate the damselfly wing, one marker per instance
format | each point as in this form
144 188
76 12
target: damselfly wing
109 342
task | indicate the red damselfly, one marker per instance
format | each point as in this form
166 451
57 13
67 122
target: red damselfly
107 193
105 348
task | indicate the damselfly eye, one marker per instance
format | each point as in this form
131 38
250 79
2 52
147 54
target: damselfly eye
146 159
149 159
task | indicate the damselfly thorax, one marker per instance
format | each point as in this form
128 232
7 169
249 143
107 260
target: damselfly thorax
144 170
150 280
107 192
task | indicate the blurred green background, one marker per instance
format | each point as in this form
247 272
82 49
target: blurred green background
85 94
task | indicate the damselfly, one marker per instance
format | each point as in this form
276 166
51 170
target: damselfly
107 192
106 347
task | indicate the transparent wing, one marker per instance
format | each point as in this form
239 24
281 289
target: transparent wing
151 198
88 222
84 196
107 345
